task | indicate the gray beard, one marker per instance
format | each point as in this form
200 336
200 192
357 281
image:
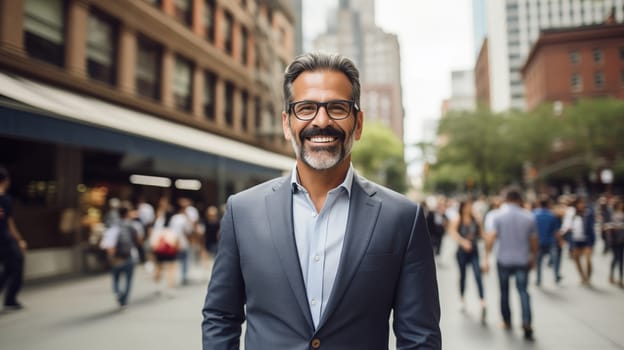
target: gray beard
321 158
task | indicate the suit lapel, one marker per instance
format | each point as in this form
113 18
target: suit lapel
279 210
363 212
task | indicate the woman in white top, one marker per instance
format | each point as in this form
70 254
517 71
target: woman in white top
579 224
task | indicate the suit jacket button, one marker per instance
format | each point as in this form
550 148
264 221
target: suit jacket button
316 343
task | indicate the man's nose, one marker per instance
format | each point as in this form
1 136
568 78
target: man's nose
322 117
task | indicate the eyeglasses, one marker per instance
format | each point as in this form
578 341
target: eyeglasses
336 109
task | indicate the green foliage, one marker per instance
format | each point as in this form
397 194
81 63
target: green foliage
495 149
378 155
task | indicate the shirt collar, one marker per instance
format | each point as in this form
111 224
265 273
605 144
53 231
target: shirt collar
346 184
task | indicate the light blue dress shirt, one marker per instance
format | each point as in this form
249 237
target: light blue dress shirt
319 237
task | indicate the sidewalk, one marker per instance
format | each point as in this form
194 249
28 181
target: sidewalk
82 313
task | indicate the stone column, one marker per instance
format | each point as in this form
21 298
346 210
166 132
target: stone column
77 32
166 78
198 93
127 60
12 25
220 102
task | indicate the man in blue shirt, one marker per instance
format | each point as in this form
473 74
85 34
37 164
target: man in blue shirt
548 226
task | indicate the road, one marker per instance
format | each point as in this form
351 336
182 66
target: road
81 313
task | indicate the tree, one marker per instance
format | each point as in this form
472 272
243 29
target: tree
379 156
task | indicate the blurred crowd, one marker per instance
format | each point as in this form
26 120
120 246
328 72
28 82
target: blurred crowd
165 239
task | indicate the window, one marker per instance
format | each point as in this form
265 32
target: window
210 85
576 82
244 116
44 30
101 48
622 77
229 104
258 111
182 11
575 58
149 56
621 53
599 80
243 46
182 84
209 26
227 32
597 54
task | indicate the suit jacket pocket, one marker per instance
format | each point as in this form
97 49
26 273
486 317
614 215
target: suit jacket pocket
377 262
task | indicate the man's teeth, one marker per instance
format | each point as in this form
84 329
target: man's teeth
321 139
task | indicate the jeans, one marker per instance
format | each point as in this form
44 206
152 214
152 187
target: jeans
618 259
463 259
12 261
554 252
521 274
183 256
126 268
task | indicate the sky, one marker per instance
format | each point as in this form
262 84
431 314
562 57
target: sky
435 38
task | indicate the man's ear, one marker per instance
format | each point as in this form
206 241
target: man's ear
285 126
360 121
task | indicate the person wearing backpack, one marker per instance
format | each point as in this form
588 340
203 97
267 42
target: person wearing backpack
120 242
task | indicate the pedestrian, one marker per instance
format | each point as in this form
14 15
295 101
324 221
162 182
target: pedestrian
322 257
516 233
120 242
580 225
211 225
550 240
615 231
467 231
165 246
12 247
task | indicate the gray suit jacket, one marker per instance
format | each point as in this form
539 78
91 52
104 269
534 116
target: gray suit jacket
386 266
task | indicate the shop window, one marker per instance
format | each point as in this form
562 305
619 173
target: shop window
149 58
182 11
243 46
209 26
576 82
101 48
44 30
229 104
182 84
210 86
244 111
227 32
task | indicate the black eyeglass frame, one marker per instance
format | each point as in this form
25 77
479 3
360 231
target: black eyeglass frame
352 107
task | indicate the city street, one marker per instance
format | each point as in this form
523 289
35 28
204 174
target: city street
81 313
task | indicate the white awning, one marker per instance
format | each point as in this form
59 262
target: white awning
95 112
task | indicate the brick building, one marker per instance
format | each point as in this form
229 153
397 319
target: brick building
582 62
93 92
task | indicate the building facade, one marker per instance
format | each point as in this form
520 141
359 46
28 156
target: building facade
352 32
567 64
462 91
514 26
103 99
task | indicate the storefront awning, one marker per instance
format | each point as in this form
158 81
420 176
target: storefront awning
93 112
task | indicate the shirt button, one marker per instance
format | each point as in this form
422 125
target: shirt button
314 215
313 301
315 343
317 258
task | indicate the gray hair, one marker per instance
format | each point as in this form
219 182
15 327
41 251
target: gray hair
316 61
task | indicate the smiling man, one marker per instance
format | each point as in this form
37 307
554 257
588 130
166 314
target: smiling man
322 257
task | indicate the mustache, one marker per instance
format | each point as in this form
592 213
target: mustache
316 131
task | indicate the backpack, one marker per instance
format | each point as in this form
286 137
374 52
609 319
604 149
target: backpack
167 243
125 240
